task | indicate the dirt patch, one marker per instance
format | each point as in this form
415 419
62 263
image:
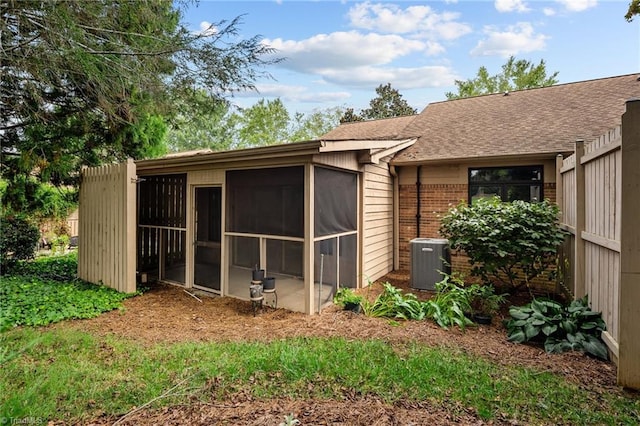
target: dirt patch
169 314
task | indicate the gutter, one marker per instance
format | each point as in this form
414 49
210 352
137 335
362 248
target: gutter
396 217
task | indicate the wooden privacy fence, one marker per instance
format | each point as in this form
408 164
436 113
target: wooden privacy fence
107 218
599 195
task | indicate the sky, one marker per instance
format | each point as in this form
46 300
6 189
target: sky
337 52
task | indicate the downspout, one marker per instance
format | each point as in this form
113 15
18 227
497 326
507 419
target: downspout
396 217
418 216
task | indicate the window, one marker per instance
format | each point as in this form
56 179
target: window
508 183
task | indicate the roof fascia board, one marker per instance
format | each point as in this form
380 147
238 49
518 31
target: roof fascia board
533 156
374 156
358 145
264 152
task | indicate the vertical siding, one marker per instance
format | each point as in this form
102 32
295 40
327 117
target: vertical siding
377 221
107 232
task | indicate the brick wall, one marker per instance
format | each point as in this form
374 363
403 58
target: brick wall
435 202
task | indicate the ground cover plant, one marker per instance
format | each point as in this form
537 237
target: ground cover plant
45 291
508 243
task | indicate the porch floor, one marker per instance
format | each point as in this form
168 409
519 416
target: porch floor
290 290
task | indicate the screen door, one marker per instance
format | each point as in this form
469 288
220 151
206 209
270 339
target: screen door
208 210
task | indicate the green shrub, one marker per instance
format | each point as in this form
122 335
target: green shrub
346 296
508 243
18 240
484 300
561 328
57 268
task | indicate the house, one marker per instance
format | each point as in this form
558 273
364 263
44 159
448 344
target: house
341 210
504 144
337 211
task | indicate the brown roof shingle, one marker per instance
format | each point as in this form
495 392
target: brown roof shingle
388 128
544 121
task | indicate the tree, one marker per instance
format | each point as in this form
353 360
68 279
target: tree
201 123
264 123
90 82
315 124
387 104
515 75
634 9
350 116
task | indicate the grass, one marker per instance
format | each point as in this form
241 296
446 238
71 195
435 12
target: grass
67 375
62 374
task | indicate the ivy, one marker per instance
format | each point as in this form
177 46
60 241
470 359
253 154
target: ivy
45 291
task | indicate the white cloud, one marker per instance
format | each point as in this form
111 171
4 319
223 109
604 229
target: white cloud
511 6
578 5
391 19
548 11
207 28
518 38
299 93
345 50
400 78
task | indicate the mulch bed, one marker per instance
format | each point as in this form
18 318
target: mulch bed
169 314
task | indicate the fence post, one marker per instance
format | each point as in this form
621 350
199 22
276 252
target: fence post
559 187
579 262
629 296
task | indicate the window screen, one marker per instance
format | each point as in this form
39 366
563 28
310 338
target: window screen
335 201
508 183
266 201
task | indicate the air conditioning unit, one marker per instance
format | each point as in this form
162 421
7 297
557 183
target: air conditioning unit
429 257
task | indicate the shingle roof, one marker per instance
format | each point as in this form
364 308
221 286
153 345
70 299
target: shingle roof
543 121
388 128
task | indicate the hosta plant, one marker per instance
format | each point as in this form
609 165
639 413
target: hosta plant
560 328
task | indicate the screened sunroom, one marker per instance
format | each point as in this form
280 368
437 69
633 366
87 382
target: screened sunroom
315 216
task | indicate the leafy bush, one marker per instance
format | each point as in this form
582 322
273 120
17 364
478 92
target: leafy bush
561 328
452 300
57 268
346 296
484 300
36 199
18 240
507 243
393 303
